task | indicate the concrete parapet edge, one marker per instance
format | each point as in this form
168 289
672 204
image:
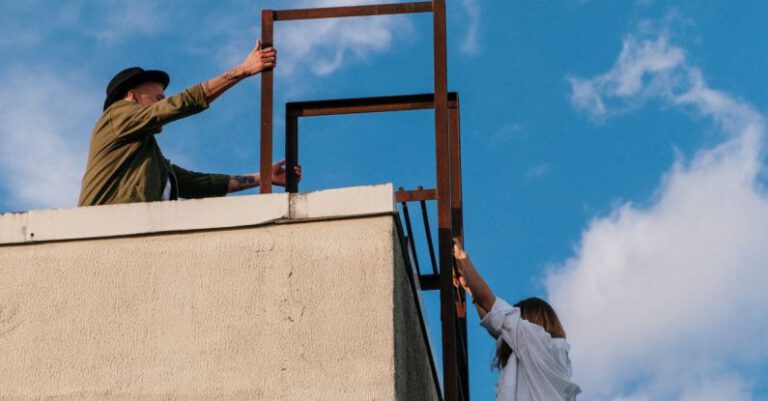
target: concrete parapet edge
196 214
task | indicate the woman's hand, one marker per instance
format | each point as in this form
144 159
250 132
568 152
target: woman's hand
460 255
461 258
458 251
471 280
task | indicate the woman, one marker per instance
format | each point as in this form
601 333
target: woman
532 352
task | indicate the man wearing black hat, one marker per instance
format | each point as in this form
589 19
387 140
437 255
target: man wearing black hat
125 163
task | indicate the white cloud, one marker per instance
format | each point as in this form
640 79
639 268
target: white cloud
44 128
506 134
319 47
667 302
470 44
643 68
324 46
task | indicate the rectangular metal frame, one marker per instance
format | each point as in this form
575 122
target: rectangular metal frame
296 110
447 151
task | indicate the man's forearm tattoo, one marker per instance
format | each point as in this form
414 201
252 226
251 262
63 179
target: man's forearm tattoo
230 76
245 180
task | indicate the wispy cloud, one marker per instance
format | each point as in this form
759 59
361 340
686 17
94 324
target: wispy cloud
471 43
667 302
43 132
323 46
506 134
319 47
538 171
644 68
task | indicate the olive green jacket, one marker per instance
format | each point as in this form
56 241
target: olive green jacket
125 163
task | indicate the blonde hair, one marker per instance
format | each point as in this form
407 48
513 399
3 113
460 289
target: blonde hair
538 312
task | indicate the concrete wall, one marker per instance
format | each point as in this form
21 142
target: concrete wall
313 305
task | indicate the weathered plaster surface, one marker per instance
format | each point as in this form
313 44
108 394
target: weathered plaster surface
315 310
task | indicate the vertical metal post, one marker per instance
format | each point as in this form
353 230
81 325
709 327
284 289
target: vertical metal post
291 151
457 223
457 208
451 376
267 80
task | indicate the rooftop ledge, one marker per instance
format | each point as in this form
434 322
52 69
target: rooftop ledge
195 214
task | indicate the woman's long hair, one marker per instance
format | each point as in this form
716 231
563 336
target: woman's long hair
536 311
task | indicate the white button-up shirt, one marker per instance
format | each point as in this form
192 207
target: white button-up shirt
539 368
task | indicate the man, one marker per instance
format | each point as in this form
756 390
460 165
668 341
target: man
125 163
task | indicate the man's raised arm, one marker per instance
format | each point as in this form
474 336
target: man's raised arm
257 61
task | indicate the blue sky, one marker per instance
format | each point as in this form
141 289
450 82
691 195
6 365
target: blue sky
612 152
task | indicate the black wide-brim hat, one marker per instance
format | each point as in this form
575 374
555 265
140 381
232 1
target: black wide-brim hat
130 78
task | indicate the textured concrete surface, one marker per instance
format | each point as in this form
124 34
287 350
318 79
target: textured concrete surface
193 214
317 310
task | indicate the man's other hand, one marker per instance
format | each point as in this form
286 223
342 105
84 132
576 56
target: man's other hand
279 173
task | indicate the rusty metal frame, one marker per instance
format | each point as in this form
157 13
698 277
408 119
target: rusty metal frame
448 162
296 110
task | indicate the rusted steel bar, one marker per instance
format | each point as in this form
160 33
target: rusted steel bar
415 195
291 153
366 109
267 98
463 360
365 105
457 223
462 356
428 232
354 11
451 374
457 215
